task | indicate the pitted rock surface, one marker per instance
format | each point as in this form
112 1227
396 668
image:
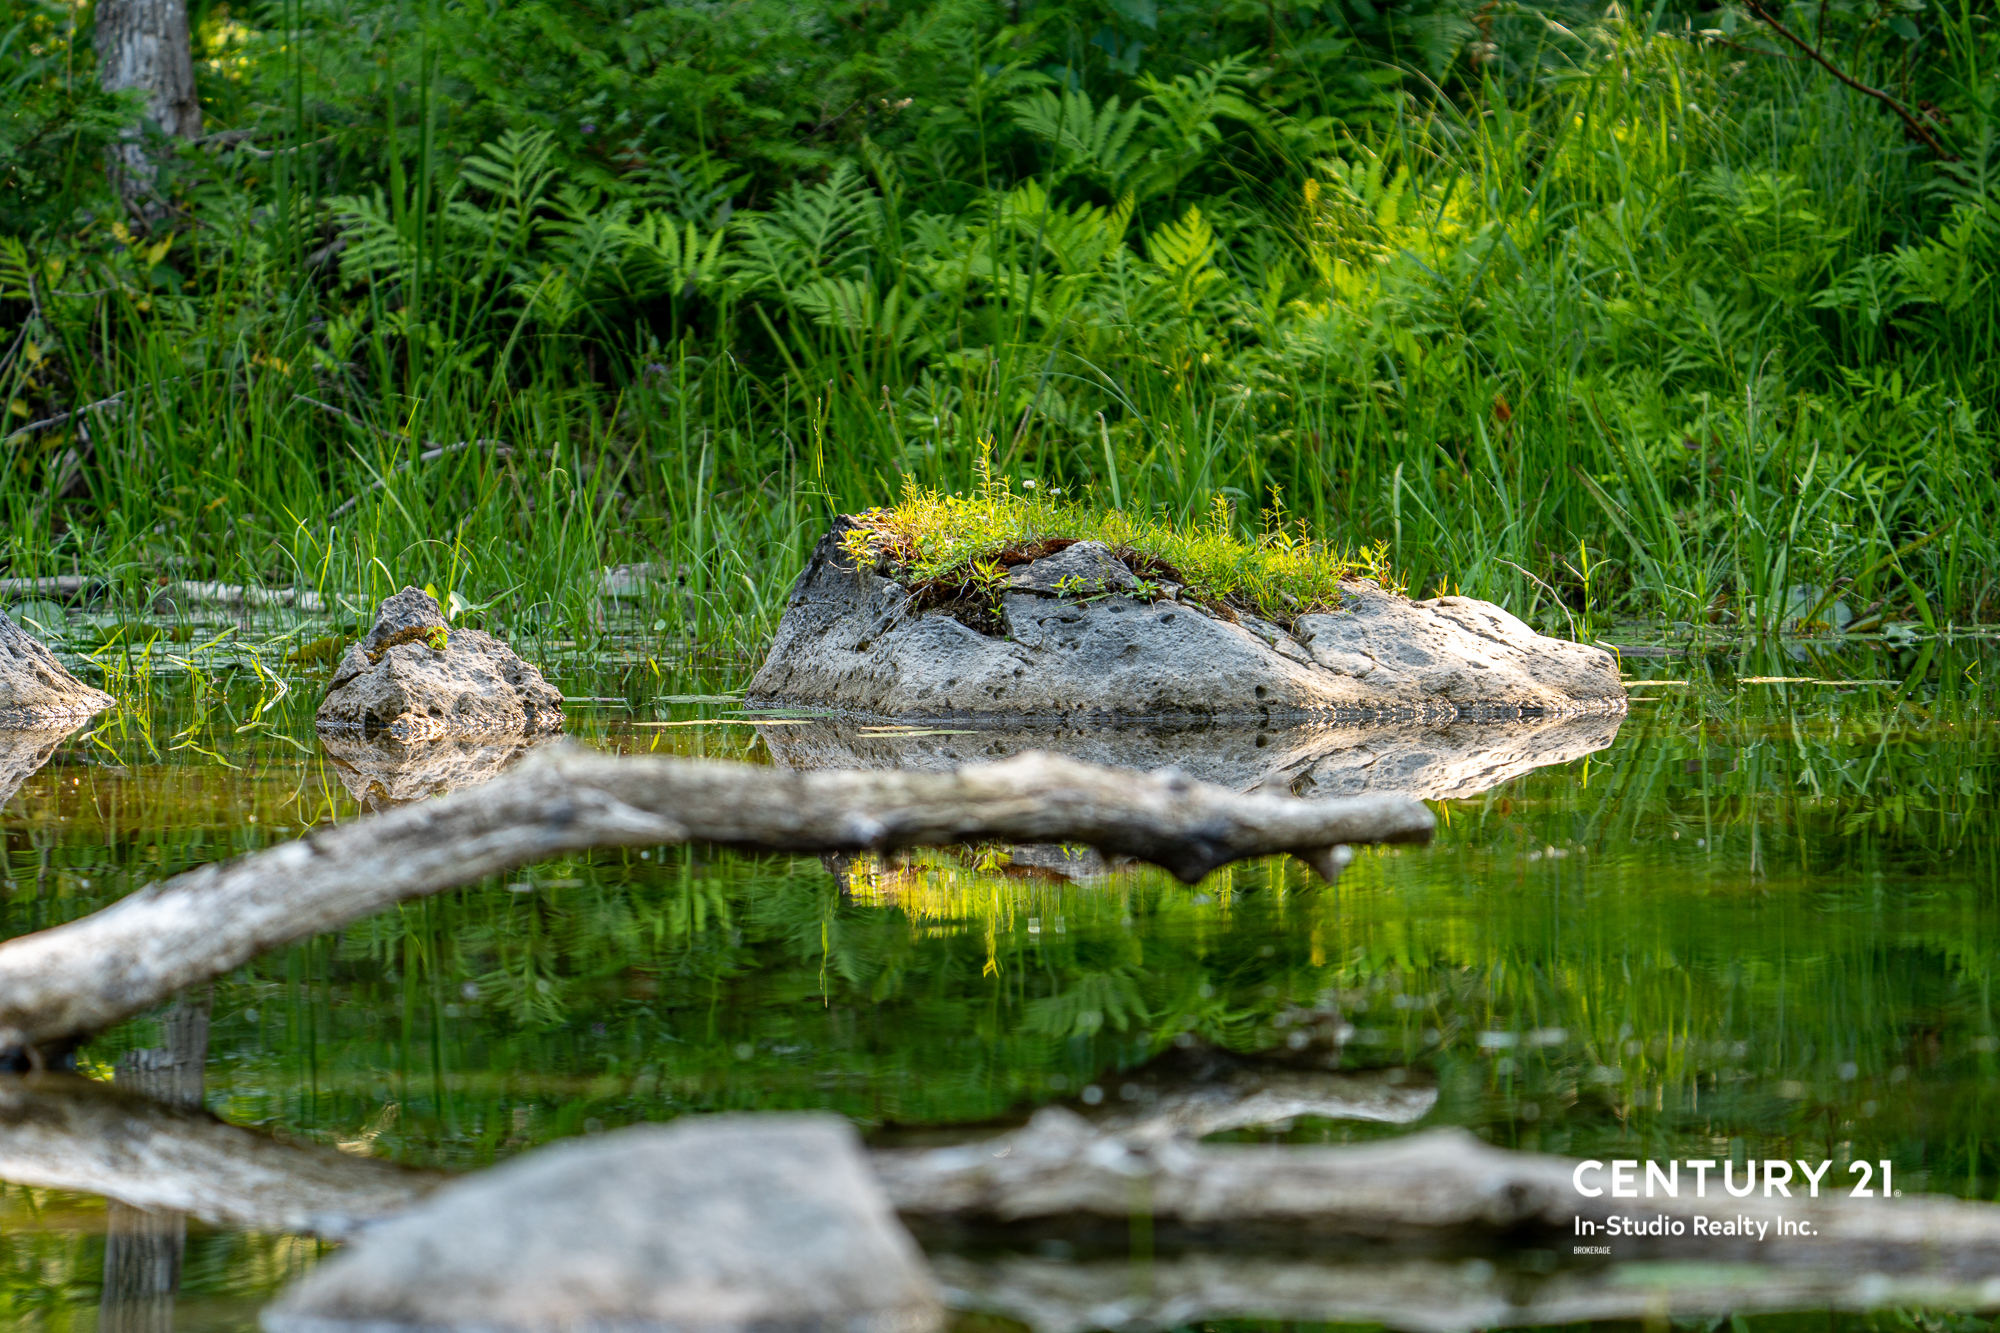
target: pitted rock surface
1084 568
37 691
719 1223
395 682
852 640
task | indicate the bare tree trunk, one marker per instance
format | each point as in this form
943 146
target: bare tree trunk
143 1247
84 976
144 44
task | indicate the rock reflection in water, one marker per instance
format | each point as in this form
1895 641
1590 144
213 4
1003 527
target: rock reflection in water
143 1247
384 772
1309 759
23 753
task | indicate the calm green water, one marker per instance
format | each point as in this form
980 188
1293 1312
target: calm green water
1765 922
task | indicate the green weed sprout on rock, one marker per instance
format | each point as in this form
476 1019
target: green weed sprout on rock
956 548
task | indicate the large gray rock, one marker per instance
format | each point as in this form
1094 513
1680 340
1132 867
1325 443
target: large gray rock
852 639
1307 758
772 1222
37 691
396 681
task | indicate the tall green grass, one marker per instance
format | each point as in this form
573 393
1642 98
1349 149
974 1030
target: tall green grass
1629 324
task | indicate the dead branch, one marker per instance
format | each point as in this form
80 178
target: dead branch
88 974
1916 127
20 433
431 455
58 1131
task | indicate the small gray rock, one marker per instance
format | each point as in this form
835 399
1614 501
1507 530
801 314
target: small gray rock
37 691
410 614
1081 570
852 639
771 1222
394 681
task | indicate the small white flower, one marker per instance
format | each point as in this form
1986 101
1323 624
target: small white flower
1029 483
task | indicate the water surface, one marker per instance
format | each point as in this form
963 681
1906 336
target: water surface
1763 922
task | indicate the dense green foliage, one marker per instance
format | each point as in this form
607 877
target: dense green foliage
1599 315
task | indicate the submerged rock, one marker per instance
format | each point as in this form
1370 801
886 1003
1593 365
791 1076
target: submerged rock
37 691
1076 643
770 1222
415 677
382 772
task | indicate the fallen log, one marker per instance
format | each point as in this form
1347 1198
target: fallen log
1440 1187
64 586
62 984
236 597
59 1131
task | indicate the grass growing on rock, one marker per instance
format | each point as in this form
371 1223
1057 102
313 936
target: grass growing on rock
954 550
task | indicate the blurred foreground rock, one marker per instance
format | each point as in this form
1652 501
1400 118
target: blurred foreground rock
416 677
37 691
717 1223
1069 640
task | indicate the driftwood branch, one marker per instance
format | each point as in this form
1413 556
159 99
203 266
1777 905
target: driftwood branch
88 974
58 1131
1916 127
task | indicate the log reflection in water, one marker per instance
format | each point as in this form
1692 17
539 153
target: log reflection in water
143 1248
59 1131
1419 1294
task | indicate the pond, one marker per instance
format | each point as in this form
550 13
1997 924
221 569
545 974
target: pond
1762 922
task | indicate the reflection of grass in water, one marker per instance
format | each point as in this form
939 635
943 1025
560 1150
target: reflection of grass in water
52 1265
